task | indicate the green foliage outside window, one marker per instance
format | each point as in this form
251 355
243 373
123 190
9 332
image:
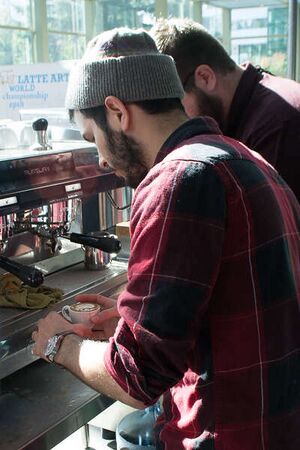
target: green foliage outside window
16 46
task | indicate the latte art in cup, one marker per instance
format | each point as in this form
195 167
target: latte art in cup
84 307
80 312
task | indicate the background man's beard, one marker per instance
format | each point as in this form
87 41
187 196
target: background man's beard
210 106
126 156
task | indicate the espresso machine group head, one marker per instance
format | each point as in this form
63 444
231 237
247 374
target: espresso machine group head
49 178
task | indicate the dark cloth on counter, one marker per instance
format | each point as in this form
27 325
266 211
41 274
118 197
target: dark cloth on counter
265 115
210 315
13 294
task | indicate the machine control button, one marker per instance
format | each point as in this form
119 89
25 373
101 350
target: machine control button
8 201
73 187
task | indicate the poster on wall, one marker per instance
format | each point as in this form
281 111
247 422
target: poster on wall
32 86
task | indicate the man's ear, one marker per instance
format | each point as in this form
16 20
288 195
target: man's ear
118 113
205 78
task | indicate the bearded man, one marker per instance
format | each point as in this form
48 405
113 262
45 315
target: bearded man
209 318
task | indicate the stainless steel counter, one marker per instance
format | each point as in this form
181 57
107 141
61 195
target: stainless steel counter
16 325
40 404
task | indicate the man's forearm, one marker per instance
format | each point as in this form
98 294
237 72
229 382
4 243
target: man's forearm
85 359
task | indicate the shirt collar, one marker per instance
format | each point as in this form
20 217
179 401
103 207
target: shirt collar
193 127
249 80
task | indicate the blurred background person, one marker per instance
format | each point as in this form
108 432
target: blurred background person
249 104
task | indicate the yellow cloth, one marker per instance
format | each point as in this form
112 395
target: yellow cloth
13 294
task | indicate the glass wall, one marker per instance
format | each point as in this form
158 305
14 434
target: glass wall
120 13
52 30
16 32
66 29
212 20
256 34
180 8
261 36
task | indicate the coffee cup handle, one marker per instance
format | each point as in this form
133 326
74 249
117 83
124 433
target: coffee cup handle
66 313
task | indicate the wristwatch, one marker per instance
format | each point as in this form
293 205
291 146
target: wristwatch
54 344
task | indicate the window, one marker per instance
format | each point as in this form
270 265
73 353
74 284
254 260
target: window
66 29
128 13
52 30
16 32
260 35
180 8
212 20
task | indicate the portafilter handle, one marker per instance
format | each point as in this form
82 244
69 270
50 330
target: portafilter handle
29 275
108 243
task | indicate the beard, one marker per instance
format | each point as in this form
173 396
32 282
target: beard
209 105
126 155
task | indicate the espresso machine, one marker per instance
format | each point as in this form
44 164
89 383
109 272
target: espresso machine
54 229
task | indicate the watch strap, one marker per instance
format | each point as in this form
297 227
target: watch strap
58 337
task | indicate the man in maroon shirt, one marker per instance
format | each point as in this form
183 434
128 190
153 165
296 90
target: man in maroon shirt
250 105
209 318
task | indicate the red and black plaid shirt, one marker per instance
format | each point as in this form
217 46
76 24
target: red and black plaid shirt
210 315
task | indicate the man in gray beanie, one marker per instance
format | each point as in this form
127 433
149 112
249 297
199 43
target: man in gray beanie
209 317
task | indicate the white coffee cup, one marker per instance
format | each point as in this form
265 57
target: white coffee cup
80 312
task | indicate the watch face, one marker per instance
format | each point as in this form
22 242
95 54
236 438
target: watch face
51 346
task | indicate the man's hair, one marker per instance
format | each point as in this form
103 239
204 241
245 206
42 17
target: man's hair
190 44
152 107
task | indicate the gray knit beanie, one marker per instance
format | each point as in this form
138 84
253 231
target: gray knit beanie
123 63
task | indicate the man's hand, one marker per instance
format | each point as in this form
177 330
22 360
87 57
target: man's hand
84 358
105 321
46 328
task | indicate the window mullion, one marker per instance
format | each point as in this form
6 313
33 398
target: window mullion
41 28
90 19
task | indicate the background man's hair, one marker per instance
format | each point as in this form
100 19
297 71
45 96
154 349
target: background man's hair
190 44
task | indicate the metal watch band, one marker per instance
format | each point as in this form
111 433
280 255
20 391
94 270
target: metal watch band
55 343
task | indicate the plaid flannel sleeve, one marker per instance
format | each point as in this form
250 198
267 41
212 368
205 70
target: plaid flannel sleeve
177 227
